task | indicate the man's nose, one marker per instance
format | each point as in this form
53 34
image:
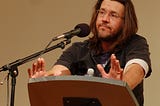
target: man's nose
106 17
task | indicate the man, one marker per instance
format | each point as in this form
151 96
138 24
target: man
115 51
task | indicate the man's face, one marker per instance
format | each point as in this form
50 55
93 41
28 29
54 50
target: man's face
110 19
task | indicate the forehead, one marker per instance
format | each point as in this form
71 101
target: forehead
113 6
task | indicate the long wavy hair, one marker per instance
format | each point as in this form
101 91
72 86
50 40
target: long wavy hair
130 27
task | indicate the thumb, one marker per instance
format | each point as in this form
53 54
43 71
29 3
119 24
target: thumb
101 70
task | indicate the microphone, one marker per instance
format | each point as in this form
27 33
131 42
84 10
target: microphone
81 30
90 72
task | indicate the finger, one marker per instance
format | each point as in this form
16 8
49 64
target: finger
34 68
42 64
121 75
118 70
30 73
117 67
101 69
39 65
113 59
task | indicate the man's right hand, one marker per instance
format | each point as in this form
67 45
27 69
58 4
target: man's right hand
38 69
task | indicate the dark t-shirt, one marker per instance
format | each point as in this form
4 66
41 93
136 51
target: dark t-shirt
79 57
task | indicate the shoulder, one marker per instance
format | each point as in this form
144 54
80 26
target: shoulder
83 44
137 37
78 47
137 41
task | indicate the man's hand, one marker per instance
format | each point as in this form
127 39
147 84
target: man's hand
115 72
38 69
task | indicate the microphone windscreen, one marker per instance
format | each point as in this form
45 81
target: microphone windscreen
84 30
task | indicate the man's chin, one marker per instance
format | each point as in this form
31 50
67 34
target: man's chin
107 38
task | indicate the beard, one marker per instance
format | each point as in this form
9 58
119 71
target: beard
109 37
107 34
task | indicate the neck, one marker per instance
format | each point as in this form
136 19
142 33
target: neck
106 46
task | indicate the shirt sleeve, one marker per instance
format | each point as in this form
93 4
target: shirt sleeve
141 62
138 52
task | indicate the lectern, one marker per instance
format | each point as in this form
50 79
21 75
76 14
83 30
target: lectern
79 91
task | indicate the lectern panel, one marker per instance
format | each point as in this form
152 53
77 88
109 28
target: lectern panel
51 91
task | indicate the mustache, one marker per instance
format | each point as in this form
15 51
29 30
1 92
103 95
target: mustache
105 25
